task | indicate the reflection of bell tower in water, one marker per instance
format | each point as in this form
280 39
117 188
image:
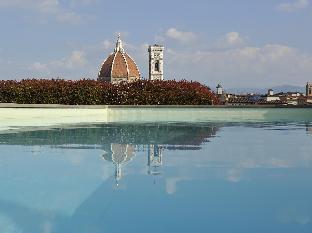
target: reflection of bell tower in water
309 128
155 161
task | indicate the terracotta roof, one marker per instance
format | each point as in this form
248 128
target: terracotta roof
120 69
243 100
246 100
274 102
106 68
133 69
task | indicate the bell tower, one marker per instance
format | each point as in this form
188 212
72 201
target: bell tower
156 62
309 89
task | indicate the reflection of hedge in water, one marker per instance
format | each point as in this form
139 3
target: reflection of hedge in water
172 134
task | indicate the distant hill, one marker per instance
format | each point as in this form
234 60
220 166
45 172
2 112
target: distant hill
289 88
276 89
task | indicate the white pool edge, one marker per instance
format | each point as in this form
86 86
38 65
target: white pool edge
17 116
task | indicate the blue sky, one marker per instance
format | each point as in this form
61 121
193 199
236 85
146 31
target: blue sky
237 43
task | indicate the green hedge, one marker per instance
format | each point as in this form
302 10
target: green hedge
91 92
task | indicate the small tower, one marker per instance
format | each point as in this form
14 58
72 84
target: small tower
270 92
219 90
156 62
309 89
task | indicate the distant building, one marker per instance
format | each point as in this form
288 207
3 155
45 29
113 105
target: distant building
257 99
309 89
271 97
278 99
156 62
308 100
219 90
239 100
119 66
292 98
221 94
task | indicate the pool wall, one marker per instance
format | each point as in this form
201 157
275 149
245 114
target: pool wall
13 115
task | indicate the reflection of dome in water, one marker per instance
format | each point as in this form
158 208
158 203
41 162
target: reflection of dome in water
120 153
119 66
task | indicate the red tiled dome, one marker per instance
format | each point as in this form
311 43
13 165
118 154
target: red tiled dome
119 66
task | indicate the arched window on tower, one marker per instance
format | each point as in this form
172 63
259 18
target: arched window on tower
157 66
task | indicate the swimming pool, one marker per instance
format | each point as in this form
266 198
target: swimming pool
178 177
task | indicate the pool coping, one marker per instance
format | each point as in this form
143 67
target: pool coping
16 116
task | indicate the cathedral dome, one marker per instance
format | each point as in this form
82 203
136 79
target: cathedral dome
119 66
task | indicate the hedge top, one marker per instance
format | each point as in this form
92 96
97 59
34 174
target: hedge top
91 92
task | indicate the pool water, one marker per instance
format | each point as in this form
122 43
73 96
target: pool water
201 177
